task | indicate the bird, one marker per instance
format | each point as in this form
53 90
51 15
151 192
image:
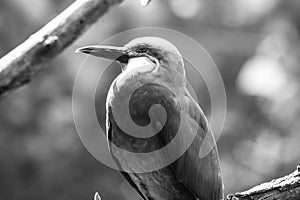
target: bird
154 68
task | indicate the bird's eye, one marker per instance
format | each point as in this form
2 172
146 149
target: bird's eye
142 50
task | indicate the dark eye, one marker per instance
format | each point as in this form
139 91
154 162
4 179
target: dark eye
142 50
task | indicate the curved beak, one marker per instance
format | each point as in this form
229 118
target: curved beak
109 52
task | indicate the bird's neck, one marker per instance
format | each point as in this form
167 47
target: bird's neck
133 78
143 68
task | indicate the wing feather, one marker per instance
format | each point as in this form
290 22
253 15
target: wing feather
126 175
200 175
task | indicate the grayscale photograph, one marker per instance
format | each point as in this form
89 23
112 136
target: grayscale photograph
149 100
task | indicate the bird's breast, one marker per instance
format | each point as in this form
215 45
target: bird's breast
150 105
162 183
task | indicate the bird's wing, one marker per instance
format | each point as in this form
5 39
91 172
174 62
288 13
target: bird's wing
126 175
200 175
159 184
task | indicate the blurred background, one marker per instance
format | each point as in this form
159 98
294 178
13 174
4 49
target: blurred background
255 45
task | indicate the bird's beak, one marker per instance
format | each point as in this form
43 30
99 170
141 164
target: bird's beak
109 52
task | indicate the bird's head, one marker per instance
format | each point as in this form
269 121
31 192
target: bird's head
155 50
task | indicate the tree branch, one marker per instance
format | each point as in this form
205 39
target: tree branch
287 187
20 65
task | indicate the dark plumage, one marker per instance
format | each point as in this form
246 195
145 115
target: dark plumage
155 67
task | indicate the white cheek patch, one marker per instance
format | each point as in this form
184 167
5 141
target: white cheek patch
134 67
139 64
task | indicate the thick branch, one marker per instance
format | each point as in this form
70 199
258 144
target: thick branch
20 65
287 187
